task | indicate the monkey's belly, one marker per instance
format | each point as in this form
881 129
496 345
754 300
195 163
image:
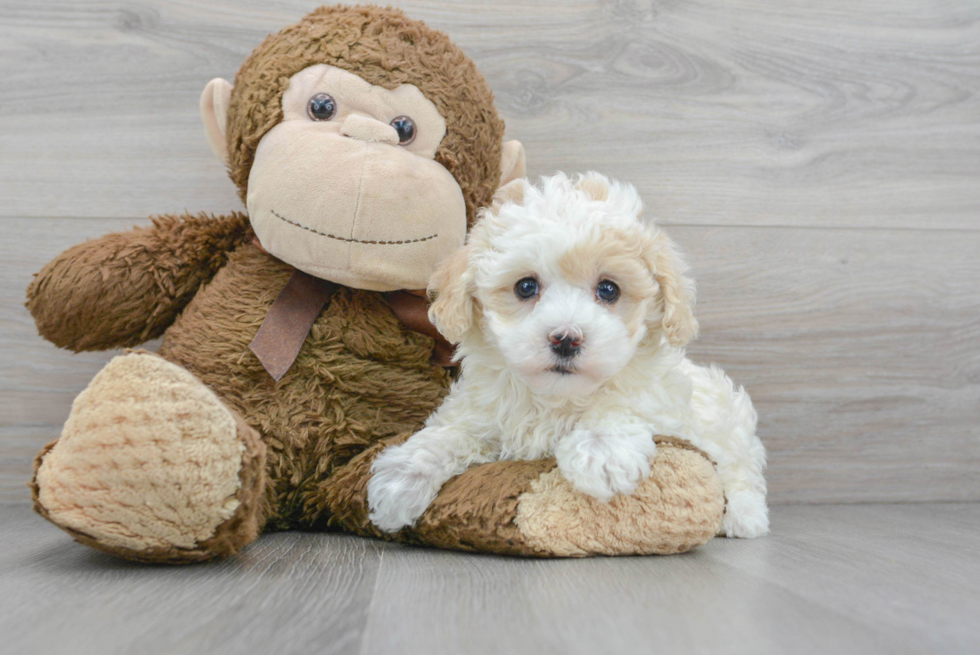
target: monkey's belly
359 377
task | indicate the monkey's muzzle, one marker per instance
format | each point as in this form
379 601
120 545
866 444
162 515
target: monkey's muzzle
366 215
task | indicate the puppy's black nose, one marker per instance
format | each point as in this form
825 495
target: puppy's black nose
564 345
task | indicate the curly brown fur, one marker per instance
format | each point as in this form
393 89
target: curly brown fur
384 47
127 288
474 511
360 377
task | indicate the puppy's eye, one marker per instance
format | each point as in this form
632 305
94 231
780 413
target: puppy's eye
321 107
526 288
405 127
607 291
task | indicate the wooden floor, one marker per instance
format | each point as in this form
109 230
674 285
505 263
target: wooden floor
832 579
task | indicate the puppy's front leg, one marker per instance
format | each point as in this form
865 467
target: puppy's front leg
606 457
405 479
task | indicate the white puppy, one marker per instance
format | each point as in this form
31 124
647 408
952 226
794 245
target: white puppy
571 316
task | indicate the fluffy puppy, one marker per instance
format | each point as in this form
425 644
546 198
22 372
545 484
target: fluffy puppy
571 316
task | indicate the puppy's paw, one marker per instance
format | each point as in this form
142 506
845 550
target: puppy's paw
746 515
400 489
604 464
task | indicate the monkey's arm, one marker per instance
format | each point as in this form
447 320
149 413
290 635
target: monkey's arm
126 288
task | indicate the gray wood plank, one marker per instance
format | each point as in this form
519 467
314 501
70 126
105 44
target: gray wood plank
289 593
911 571
859 348
828 113
831 579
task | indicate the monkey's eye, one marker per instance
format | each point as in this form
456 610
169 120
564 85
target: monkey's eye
526 288
607 291
322 107
405 127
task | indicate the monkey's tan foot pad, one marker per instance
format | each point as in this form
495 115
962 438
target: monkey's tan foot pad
152 466
528 508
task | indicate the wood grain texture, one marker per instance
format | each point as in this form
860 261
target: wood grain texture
817 160
766 112
291 593
859 348
859 579
831 579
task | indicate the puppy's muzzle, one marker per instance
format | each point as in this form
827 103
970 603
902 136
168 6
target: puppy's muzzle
564 344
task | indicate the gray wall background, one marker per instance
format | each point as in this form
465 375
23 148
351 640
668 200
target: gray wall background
819 162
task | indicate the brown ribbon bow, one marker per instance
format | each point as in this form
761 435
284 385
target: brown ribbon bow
296 308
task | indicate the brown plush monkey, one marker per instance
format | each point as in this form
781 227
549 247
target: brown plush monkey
362 143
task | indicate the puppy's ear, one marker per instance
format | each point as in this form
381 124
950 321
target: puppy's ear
451 288
594 186
676 290
512 162
513 192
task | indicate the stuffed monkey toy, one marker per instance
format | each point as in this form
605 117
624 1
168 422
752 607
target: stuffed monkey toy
295 342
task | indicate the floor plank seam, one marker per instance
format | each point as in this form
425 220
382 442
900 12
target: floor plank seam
362 649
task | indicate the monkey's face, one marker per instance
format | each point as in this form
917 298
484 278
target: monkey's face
346 187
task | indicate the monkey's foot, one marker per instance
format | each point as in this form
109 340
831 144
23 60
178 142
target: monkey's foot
152 466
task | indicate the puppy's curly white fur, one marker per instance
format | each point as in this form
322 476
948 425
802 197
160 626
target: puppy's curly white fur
571 315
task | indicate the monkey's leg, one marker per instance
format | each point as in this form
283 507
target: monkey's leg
527 508
152 466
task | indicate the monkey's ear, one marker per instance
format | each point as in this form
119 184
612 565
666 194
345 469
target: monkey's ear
451 288
214 112
512 162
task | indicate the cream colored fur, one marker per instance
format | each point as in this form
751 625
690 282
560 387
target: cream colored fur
149 458
598 410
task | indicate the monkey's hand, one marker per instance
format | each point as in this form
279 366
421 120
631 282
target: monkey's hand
126 288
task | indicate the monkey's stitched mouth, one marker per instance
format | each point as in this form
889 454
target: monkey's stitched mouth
347 240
